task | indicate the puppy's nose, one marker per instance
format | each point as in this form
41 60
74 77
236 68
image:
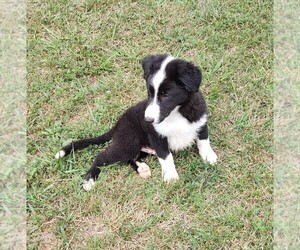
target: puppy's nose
149 119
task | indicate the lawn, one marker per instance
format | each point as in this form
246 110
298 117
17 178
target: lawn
84 71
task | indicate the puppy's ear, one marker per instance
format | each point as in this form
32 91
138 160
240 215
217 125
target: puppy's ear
152 63
189 76
147 63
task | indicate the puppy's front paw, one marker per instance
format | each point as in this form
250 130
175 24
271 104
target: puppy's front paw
143 170
206 151
170 175
209 155
88 184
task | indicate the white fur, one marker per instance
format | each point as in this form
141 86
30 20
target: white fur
60 154
160 75
169 172
180 132
206 152
153 110
87 185
143 170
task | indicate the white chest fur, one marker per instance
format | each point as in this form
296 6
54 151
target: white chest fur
180 132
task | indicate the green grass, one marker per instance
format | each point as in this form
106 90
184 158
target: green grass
12 125
84 71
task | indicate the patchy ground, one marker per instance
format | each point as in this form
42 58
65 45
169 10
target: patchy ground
84 71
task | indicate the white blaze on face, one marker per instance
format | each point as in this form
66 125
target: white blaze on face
153 111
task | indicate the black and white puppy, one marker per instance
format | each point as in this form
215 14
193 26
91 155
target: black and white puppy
171 119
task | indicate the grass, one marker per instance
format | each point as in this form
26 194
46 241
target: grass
12 125
84 71
286 128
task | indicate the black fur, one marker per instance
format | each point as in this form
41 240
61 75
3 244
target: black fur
185 74
151 64
132 132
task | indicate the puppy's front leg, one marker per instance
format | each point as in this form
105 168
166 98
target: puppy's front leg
169 172
204 147
165 158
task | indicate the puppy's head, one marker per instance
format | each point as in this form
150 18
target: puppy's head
170 82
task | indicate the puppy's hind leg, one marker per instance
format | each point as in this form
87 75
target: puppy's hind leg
111 155
143 169
140 166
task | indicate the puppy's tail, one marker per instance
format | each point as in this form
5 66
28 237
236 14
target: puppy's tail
80 144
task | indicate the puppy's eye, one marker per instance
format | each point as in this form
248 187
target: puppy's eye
164 93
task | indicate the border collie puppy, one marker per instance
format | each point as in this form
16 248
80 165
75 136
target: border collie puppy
171 119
